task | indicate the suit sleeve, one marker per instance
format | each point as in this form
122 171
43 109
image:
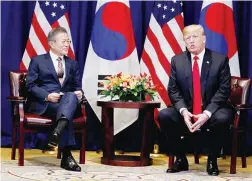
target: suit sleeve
174 90
77 77
32 81
221 96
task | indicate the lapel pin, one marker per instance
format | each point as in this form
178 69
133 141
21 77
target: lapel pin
207 62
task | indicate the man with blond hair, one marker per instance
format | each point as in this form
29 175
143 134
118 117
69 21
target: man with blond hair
199 87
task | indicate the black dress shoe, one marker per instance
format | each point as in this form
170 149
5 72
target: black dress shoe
212 167
69 163
181 164
54 140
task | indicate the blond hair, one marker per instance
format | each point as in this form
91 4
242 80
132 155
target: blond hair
193 27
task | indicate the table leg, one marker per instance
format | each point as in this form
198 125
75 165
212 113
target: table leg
147 137
108 129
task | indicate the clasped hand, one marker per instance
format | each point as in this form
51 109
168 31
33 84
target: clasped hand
202 118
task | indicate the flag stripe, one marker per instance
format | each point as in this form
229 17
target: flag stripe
40 33
177 33
161 89
145 69
42 19
161 57
30 50
171 39
67 18
180 21
157 66
22 66
55 24
27 58
166 48
36 43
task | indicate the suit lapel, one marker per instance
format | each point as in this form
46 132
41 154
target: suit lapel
188 72
50 66
204 71
67 69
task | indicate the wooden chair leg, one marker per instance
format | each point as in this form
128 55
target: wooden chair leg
21 145
196 158
234 152
59 154
13 145
243 157
83 147
223 156
195 140
244 161
171 161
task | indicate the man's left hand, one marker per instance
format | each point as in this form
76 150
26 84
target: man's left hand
78 94
202 119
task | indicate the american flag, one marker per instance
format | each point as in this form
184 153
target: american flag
164 39
47 15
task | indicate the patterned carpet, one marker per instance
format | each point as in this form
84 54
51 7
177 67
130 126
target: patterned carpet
46 167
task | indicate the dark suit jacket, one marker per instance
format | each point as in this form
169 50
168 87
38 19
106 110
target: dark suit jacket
215 81
42 79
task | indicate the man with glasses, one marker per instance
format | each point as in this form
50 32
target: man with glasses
199 87
54 86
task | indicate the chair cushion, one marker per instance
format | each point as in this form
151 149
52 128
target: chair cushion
34 119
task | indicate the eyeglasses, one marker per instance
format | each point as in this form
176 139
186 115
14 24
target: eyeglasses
192 37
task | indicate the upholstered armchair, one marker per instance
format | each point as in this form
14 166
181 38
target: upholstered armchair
24 122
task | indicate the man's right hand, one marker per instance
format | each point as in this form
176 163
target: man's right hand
187 118
53 97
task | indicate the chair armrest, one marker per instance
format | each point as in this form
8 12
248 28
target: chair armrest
240 107
18 107
83 100
83 109
16 99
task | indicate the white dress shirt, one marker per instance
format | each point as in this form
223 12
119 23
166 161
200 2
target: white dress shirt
200 60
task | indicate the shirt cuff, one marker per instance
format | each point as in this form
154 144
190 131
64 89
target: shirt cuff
182 109
208 113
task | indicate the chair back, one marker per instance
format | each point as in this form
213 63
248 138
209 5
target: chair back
239 90
18 83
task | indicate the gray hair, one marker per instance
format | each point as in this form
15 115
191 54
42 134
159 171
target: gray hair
54 32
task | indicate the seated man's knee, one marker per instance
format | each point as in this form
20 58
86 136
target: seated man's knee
71 96
223 120
165 115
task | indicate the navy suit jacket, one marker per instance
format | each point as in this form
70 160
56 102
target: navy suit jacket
215 81
42 79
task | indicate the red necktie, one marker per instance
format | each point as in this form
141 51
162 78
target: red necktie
196 88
